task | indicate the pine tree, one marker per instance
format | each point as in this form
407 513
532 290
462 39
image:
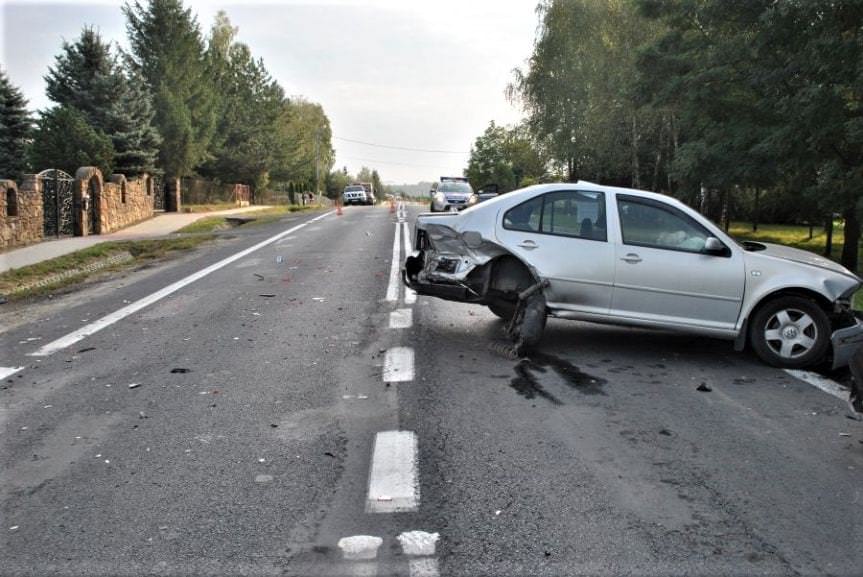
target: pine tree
15 129
136 141
64 139
167 50
89 78
86 77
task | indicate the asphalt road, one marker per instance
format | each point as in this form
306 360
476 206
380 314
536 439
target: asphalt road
253 419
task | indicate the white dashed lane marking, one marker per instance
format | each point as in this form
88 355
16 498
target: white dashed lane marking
394 476
9 371
401 319
398 365
360 547
134 307
393 286
827 385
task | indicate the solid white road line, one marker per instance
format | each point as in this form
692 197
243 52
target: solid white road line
394 478
410 294
134 307
393 286
828 386
9 371
398 365
401 319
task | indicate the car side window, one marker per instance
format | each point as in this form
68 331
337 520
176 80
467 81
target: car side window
648 223
525 217
575 213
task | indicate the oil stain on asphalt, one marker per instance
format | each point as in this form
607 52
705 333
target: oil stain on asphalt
530 370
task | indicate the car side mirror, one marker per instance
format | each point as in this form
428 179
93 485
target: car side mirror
713 245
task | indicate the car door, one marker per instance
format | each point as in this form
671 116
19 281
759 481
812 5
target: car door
563 235
663 275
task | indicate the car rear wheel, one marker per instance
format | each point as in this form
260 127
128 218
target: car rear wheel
790 332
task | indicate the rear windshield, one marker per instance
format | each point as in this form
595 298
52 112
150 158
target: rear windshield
454 187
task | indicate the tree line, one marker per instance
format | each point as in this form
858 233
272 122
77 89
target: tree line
180 102
746 108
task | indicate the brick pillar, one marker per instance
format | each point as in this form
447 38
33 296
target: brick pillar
173 200
80 216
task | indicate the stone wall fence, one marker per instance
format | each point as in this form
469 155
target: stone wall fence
21 216
115 204
98 206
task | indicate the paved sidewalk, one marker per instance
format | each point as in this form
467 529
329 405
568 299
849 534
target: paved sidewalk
157 226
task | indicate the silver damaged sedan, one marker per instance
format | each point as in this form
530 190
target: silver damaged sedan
614 255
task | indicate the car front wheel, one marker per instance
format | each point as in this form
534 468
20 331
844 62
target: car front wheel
790 332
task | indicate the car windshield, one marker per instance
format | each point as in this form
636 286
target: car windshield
355 189
450 186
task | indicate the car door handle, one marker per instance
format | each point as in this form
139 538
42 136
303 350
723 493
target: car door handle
631 258
528 244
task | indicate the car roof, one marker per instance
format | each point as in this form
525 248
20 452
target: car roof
587 185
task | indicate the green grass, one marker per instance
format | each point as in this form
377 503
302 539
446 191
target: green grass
263 216
211 207
790 235
141 250
206 224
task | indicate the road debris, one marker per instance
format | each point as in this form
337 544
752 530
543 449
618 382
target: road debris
418 542
86 350
267 295
360 547
703 388
844 434
260 276
263 479
134 385
179 370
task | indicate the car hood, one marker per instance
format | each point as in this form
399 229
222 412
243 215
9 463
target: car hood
803 257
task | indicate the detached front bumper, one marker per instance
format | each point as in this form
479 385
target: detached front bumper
846 342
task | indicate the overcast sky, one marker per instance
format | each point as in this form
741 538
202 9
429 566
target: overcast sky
428 74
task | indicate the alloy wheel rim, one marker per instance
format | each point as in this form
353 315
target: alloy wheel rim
791 333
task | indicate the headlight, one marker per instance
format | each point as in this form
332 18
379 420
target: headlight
439 198
473 199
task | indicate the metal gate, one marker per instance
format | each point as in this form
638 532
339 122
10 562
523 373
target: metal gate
158 192
57 193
